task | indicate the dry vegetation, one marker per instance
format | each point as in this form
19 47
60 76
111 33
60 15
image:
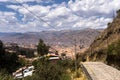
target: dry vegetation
100 48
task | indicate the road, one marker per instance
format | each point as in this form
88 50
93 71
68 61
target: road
100 71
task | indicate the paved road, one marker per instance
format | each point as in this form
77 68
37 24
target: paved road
100 71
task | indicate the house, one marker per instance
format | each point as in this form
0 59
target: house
53 57
24 72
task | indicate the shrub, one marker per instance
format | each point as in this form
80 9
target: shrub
4 76
45 70
113 54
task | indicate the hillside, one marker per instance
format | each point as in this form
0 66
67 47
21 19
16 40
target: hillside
99 49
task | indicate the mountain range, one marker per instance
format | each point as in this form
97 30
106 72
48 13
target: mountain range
62 38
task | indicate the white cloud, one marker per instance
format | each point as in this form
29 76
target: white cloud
78 14
7 17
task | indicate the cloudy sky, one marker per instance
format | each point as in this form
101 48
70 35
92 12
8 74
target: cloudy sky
39 15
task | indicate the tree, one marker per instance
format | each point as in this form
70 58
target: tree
1 44
42 48
2 51
118 13
8 61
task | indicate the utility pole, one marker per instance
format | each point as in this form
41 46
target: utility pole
113 14
22 74
75 56
90 49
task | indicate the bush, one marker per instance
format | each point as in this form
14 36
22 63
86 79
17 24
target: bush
45 70
4 76
65 77
113 54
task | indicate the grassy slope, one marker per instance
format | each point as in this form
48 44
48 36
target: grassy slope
98 49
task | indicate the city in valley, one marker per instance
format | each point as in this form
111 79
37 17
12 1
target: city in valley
59 40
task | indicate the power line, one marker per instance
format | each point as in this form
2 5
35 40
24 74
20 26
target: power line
45 21
34 14
73 12
41 18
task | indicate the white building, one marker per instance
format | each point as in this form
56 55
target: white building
24 72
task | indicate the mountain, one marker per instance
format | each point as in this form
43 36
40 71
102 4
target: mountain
62 41
63 38
106 46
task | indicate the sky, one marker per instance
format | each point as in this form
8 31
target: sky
44 15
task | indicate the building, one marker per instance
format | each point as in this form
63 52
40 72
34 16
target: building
24 72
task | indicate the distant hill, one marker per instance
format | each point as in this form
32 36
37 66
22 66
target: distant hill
62 38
